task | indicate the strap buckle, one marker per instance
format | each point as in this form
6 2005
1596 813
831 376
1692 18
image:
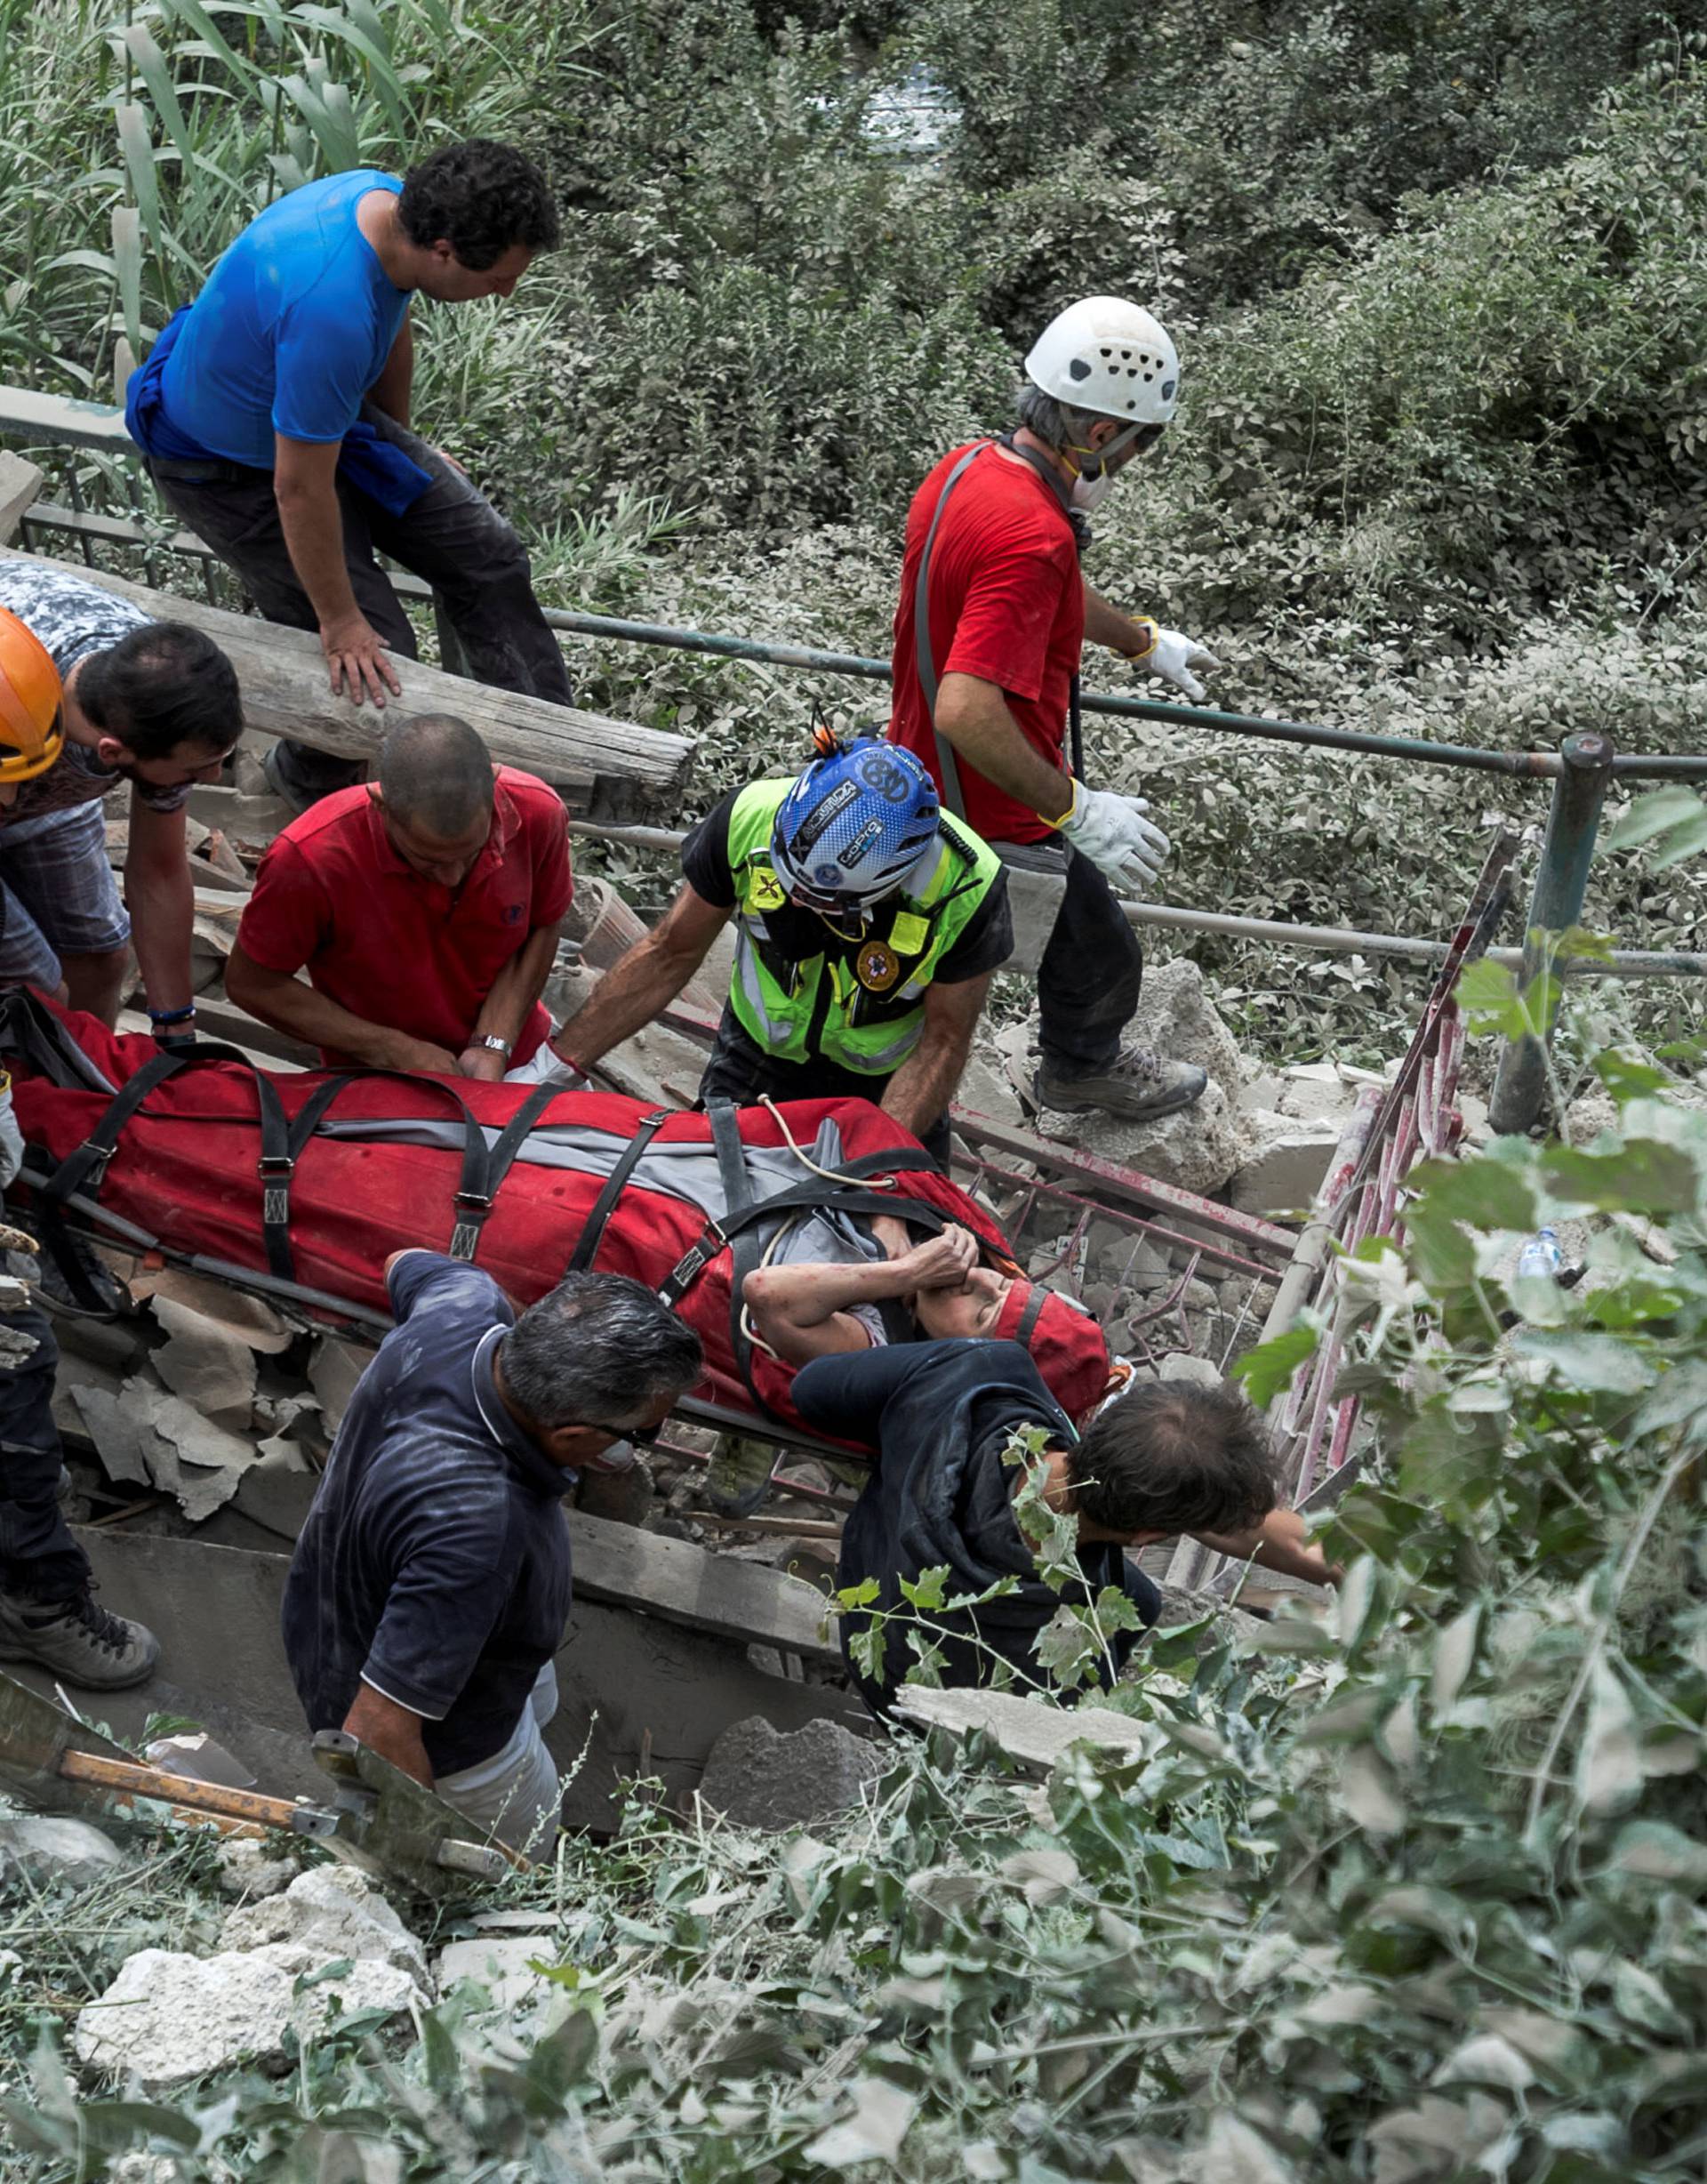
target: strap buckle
275 1169
693 1261
100 1159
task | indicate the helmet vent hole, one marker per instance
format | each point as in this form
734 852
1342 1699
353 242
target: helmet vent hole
1080 368
1107 352
1114 371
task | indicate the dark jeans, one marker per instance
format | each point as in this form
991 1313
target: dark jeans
38 1557
451 537
742 1071
1089 975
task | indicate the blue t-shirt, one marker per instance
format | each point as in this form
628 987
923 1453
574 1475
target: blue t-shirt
435 1562
293 327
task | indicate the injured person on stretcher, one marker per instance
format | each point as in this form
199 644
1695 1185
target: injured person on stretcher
937 1289
976 1458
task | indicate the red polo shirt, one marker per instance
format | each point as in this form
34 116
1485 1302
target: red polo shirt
393 947
1007 606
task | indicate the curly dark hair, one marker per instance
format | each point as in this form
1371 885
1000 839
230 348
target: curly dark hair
1175 1456
164 685
482 198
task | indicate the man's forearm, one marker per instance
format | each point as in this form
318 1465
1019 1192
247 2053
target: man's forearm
511 1000
162 913
630 995
1107 625
392 1730
1280 1542
314 535
921 1088
289 1005
974 718
808 1296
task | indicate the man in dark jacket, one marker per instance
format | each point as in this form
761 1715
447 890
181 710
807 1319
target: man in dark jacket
1165 1459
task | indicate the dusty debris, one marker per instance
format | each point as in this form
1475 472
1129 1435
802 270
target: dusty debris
333 1372
756 1777
1285 1175
332 1912
246 1317
168 2017
46 1848
151 1438
1033 1732
251 1869
203 1361
502 1964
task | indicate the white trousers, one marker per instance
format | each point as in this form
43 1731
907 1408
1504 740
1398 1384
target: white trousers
516 1793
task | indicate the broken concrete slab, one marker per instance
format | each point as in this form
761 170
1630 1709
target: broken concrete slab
503 1963
1035 1732
332 1912
249 1869
186 1455
1176 1017
46 1848
333 1372
756 1779
1180 1365
1286 1175
168 2018
212 1368
1197 1148
245 1317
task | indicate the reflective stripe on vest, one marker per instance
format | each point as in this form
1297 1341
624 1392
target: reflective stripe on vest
824 1013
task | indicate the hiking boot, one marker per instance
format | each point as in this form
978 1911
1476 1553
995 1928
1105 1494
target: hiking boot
78 1640
1137 1086
739 1477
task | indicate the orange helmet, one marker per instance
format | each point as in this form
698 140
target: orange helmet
31 735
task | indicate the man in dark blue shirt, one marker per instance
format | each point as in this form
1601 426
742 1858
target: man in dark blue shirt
430 1589
275 415
1162 1458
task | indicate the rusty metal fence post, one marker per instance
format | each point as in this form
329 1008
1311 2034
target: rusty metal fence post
1561 883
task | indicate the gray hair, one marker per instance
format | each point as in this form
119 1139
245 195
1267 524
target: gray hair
1054 423
600 1350
436 775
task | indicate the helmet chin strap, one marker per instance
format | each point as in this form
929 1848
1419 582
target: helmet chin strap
1099 458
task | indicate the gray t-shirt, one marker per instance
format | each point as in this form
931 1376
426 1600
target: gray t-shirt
72 619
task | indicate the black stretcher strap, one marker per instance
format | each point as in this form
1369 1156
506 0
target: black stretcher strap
592 1232
716 1236
84 1170
1034 1305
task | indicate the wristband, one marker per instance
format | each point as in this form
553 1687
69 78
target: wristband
1144 651
1056 824
159 1016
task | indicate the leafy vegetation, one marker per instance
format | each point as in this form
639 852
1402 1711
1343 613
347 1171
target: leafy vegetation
1412 1893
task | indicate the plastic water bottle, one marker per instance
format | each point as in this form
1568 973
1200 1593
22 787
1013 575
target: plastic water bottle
1541 1257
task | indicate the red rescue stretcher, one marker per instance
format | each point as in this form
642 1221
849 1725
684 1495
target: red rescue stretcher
307 1182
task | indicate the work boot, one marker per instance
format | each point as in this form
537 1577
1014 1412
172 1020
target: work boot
739 1477
78 1640
1137 1086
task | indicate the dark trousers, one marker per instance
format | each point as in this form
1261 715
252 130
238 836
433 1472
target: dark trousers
1089 975
451 537
742 1072
38 1557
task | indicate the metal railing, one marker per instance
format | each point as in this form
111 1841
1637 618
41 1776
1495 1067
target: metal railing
1581 771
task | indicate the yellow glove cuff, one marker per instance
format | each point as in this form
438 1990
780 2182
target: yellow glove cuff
1151 642
1058 824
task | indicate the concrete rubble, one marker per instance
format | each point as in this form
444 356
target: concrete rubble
169 2017
42 1848
756 1777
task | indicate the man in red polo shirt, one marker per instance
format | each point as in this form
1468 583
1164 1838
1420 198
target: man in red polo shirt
985 678
424 906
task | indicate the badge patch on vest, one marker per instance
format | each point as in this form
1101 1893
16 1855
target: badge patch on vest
766 892
876 966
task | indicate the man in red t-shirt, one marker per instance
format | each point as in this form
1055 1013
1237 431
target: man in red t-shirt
424 906
984 701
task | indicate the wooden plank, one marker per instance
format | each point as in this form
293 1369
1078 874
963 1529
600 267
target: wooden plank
606 768
674 1579
58 421
642 1695
20 483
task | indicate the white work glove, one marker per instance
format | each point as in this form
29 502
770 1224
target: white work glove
1177 658
544 1067
11 1138
1113 832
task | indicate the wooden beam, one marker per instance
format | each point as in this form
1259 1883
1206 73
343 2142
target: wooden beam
606 768
20 483
674 1579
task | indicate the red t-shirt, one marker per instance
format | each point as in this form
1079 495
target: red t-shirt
393 947
1007 606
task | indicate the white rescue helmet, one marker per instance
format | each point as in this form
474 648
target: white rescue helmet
1106 355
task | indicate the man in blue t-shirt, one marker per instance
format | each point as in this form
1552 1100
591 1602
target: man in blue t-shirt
430 1589
274 416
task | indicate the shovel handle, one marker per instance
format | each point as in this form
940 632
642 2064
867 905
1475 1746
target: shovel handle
126 1778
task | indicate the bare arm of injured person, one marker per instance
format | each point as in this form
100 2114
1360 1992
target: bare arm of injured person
806 1312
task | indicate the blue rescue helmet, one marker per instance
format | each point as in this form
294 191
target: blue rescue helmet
854 824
